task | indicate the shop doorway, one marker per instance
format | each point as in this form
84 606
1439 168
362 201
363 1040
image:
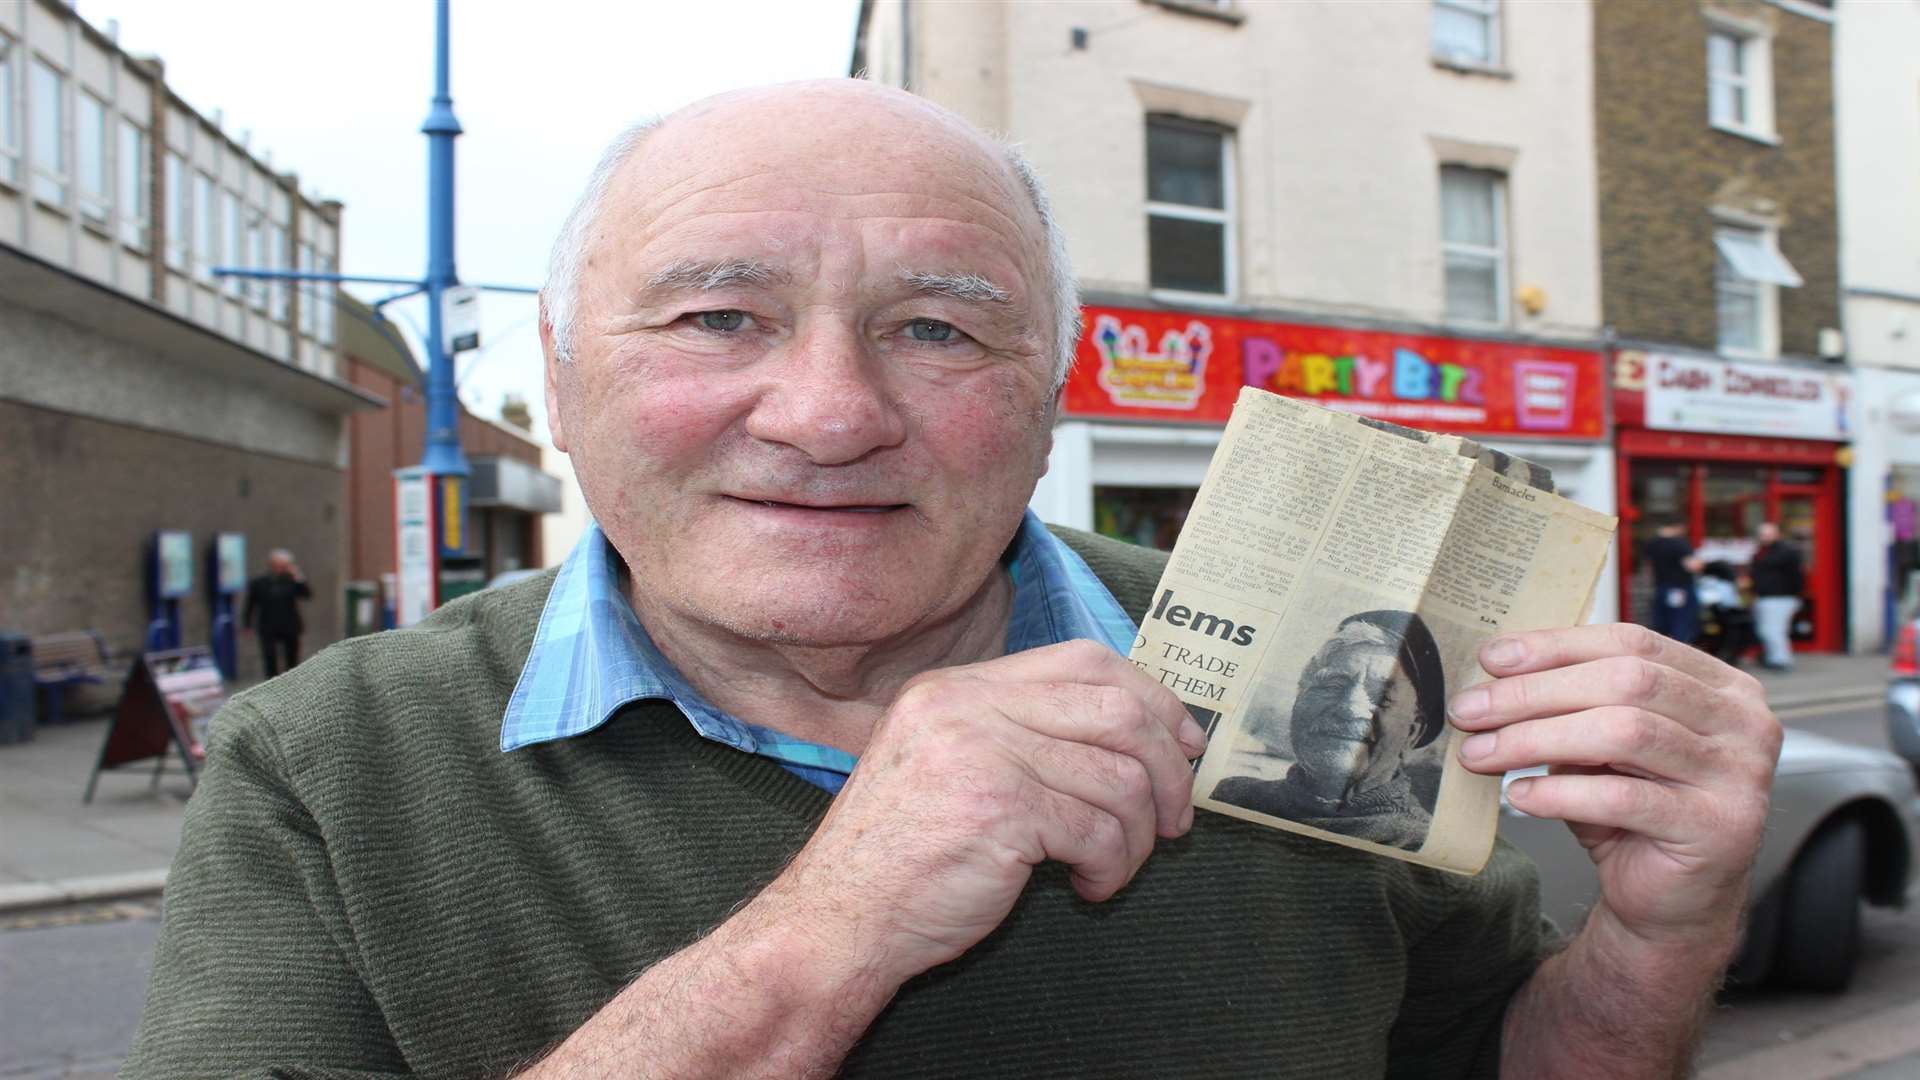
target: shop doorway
1721 502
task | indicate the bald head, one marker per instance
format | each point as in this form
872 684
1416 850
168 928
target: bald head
837 124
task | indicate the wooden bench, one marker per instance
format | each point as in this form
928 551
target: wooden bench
75 658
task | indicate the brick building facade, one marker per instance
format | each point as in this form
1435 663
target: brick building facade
1720 286
1665 170
507 493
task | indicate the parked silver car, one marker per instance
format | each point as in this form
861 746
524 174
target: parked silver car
1841 832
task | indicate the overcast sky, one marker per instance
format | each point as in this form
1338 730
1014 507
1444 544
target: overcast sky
337 90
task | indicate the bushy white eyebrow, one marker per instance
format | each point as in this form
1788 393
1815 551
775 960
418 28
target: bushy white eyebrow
702 275
969 287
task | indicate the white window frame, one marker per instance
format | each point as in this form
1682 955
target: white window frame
10 123
233 239
1486 10
206 224
1224 217
179 212
95 203
1767 294
49 179
323 316
136 206
1498 253
1753 48
308 303
277 258
256 255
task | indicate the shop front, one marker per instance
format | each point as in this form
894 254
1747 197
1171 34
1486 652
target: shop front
1883 506
1152 389
1721 447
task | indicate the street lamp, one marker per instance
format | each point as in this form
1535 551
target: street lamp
430 498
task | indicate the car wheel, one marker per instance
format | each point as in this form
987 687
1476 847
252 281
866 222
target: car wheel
1820 916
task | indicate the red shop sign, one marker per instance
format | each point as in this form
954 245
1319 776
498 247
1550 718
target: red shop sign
1164 365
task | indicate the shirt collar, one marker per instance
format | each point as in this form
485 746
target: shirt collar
591 657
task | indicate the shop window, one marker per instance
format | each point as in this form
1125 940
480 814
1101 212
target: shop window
1473 244
47 98
1467 32
90 146
1740 82
1748 270
136 186
1189 207
9 127
1149 517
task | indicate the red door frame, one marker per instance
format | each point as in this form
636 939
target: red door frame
1824 582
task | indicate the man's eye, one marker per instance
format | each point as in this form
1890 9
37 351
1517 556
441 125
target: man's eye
932 330
723 321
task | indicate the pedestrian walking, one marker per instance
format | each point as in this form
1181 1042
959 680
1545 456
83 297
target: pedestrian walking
1676 610
1777 581
273 612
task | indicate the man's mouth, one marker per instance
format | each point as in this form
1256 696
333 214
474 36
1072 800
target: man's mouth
842 508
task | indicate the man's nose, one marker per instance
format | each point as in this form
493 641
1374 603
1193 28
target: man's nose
830 399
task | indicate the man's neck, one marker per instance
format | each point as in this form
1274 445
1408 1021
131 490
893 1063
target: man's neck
828 695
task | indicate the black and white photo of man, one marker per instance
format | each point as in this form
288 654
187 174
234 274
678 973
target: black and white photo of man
1373 694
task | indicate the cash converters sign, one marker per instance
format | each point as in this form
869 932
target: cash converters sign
1178 366
1683 393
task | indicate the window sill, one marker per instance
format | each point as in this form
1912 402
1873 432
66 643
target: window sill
1470 67
1746 133
1231 16
1747 356
97 226
1212 301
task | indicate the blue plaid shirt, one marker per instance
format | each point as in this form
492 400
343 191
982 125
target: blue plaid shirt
591 656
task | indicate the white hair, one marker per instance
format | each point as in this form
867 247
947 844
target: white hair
565 267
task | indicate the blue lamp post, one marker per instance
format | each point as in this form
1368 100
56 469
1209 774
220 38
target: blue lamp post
430 499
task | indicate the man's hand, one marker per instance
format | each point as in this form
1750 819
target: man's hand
1661 762
976 775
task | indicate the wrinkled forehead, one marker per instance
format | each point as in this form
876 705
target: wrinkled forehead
847 148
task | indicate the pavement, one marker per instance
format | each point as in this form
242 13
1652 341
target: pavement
58 850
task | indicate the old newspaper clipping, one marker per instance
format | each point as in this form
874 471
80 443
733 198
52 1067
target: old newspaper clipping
1329 592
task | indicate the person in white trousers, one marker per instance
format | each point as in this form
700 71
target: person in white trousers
1777 583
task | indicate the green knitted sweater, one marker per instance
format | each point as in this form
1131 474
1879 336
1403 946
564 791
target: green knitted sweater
367 886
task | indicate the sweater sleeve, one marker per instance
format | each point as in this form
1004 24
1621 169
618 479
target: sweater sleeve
254 975
1483 938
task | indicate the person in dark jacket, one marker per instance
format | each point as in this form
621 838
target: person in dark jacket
1669 555
1777 582
273 612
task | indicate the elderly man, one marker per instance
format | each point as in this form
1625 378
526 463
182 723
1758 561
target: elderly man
1373 694
805 346
273 612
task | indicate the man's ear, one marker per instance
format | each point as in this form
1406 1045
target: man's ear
555 429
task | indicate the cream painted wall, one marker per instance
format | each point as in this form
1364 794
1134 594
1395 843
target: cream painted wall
1344 120
1877 96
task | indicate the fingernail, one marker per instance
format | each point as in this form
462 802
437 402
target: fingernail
1478 746
1505 651
1192 735
1469 704
1520 787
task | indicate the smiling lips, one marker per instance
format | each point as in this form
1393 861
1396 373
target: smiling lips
852 508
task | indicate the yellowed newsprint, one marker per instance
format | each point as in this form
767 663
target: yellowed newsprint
1330 591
